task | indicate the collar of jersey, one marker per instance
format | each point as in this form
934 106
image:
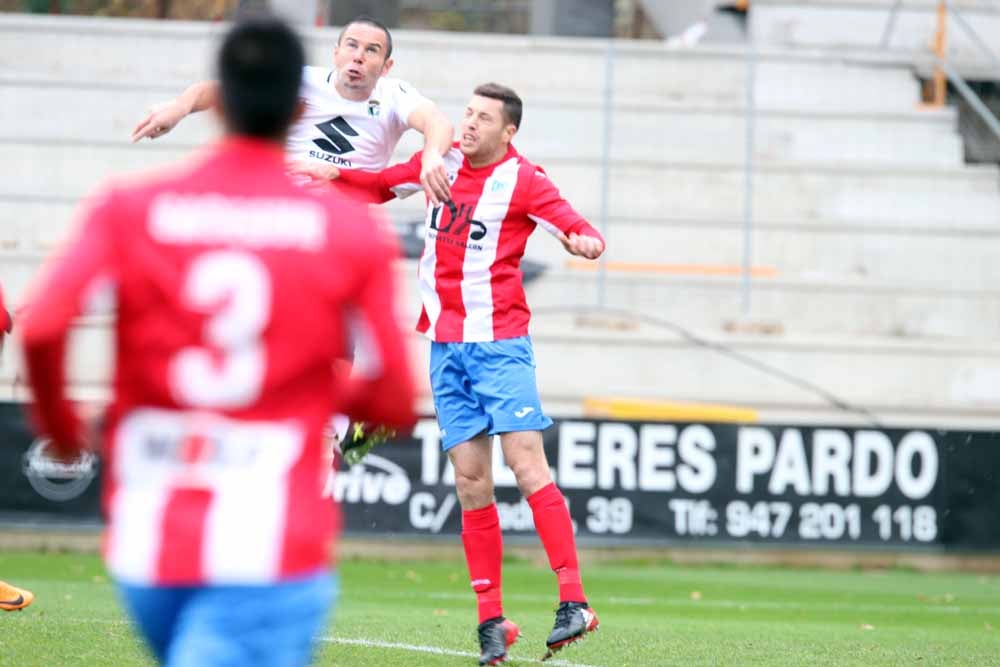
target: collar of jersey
511 152
250 148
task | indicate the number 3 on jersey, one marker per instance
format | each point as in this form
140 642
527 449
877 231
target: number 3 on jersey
227 372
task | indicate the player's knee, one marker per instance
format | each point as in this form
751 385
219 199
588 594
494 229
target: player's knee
531 476
474 488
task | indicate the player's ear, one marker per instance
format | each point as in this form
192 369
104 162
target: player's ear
387 65
509 131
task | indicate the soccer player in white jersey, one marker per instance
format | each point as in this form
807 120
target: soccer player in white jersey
354 113
353 117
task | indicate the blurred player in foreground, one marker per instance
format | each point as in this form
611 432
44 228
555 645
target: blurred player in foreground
235 289
482 362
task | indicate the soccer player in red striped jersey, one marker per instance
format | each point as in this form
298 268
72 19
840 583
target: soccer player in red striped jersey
227 328
482 363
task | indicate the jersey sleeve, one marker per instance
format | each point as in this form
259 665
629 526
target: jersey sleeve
5 319
55 300
405 98
400 180
381 387
547 208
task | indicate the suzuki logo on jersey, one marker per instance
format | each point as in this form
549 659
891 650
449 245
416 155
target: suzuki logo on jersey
336 131
462 215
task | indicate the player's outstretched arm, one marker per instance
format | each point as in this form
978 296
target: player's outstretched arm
53 303
400 180
548 209
381 389
162 118
316 170
438 135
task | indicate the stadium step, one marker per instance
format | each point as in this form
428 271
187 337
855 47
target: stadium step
677 132
834 307
651 362
860 25
782 191
959 382
928 257
945 253
541 69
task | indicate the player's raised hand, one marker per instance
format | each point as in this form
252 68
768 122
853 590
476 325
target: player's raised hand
582 245
160 120
434 178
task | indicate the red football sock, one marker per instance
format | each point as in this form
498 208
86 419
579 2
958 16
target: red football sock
555 528
483 543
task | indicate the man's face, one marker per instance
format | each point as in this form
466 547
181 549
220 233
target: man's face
483 129
360 58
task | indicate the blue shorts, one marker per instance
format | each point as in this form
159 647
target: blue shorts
485 387
233 626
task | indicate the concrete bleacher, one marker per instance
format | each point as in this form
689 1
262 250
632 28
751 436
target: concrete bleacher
873 237
861 24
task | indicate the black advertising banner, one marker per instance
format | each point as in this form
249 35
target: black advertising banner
647 482
721 483
34 485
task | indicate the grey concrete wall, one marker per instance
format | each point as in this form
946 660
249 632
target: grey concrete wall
873 226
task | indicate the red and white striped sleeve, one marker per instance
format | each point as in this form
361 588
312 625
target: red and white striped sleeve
5 320
547 208
400 180
55 300
381 388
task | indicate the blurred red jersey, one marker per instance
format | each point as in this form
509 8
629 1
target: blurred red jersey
235 291
5 319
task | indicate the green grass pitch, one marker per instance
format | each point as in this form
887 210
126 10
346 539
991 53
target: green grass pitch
652 613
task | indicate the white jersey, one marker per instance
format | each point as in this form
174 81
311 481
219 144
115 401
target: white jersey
345 133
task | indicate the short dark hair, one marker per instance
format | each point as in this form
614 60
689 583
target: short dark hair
260 73
512 106
368 20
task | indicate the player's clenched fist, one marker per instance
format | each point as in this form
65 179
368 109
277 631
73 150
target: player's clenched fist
434 178
582 245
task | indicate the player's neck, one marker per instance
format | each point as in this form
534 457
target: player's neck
353 95
480 161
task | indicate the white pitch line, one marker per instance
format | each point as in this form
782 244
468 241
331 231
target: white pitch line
436 650
687 603
368 643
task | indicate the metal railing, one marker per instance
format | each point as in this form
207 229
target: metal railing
945 71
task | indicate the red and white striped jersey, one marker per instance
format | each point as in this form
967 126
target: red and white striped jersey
235 291
469 274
